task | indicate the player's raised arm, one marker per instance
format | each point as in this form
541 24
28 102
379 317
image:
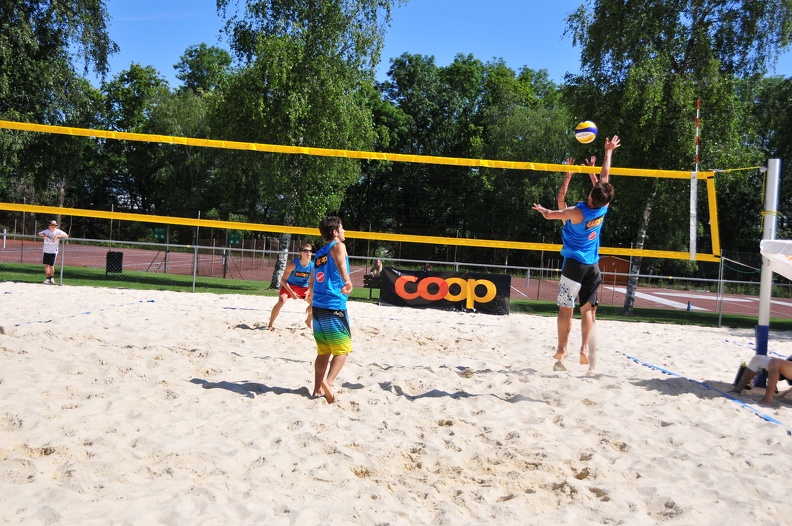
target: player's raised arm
610 145
592 161
561 199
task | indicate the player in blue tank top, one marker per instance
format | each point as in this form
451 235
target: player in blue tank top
329 287
580 275
294 284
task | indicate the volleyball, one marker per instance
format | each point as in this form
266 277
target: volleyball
585 132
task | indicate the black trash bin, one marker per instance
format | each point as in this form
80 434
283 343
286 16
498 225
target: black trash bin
115 262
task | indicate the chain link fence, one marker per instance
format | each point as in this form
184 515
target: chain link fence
213 265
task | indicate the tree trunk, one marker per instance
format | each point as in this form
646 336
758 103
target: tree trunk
280 263
283 249
635 268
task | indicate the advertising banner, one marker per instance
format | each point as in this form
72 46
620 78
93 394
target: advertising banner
459 291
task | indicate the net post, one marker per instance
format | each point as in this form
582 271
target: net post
766 280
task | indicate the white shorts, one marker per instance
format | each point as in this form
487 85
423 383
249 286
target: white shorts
567 292
758 361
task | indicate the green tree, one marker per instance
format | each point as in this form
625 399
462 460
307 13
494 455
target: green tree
203 68
644 65
367 203
39 44
305 67
524 121
180 185
773 119
130 99
437 103
473 110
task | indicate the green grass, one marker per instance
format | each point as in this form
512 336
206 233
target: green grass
97 277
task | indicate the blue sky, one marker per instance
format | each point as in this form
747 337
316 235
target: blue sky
521 32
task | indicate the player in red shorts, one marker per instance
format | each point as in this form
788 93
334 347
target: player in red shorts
294 283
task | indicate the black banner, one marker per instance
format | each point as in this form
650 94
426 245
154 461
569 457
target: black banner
459 291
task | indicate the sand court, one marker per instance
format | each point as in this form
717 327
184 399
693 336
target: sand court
140 407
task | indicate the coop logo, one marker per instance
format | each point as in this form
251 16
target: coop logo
300 274
435 288
595 222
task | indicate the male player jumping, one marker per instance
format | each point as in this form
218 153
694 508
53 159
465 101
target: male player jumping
580 274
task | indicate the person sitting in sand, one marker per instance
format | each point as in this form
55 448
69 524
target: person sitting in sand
777 369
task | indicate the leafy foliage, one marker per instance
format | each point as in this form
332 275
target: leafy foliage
38 84
301 73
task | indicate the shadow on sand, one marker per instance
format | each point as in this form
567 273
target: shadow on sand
249 389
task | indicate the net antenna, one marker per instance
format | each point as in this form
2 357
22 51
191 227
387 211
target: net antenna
694 186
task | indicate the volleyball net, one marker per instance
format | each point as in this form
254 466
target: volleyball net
708 177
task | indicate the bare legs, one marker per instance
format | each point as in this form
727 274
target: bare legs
564 323
276 309
775 369
742 383
322 385
320 367
278 306
309 319
588 316
588 347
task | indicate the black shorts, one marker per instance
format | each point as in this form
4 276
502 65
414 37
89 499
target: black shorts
49 259
582 280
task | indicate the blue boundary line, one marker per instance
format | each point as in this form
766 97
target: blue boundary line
752 346
762 415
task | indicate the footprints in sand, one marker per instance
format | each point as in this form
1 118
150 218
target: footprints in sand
616 445
17 471
509 469
10 422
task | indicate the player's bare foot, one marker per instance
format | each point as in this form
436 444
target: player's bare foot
771 404
583 359
328 394
558 355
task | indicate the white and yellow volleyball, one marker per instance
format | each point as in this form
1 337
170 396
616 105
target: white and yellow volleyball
585 132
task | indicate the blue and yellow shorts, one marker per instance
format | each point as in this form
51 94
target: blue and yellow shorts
331 331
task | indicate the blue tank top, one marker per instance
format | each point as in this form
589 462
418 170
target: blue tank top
300 274
582 240
327 282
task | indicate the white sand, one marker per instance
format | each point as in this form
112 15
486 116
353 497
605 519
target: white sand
146 407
